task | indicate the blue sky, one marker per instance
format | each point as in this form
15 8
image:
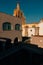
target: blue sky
33 9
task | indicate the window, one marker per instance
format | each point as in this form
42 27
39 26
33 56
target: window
31 30
6 26
17 27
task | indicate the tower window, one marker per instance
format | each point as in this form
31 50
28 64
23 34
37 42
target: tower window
6 26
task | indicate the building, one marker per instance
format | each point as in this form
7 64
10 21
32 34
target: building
38 39
29 30
35 32
10 27
32 29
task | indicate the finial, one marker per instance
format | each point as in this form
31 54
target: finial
18 7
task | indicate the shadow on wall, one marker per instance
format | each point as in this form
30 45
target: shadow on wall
25 38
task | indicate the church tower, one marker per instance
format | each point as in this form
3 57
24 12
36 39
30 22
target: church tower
18 13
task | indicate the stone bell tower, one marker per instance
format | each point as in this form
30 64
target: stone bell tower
18 13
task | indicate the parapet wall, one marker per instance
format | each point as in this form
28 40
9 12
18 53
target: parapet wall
37 40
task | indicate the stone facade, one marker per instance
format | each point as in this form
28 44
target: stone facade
12 34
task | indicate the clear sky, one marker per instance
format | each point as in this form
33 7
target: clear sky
33 9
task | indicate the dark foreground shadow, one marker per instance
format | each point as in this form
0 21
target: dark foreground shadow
5 43
26 55
22 57
25 38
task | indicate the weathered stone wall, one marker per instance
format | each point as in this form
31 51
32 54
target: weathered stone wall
12 34
37 40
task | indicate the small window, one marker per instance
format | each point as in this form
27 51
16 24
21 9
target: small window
31 30
17 27
6 26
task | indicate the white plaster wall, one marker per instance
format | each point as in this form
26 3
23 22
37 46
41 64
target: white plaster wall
30 33
23 31
41 28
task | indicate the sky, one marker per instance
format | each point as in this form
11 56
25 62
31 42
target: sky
32 9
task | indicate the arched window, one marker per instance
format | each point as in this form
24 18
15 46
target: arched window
17 27
6 26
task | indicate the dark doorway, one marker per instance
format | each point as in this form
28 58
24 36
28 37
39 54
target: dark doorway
16 40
